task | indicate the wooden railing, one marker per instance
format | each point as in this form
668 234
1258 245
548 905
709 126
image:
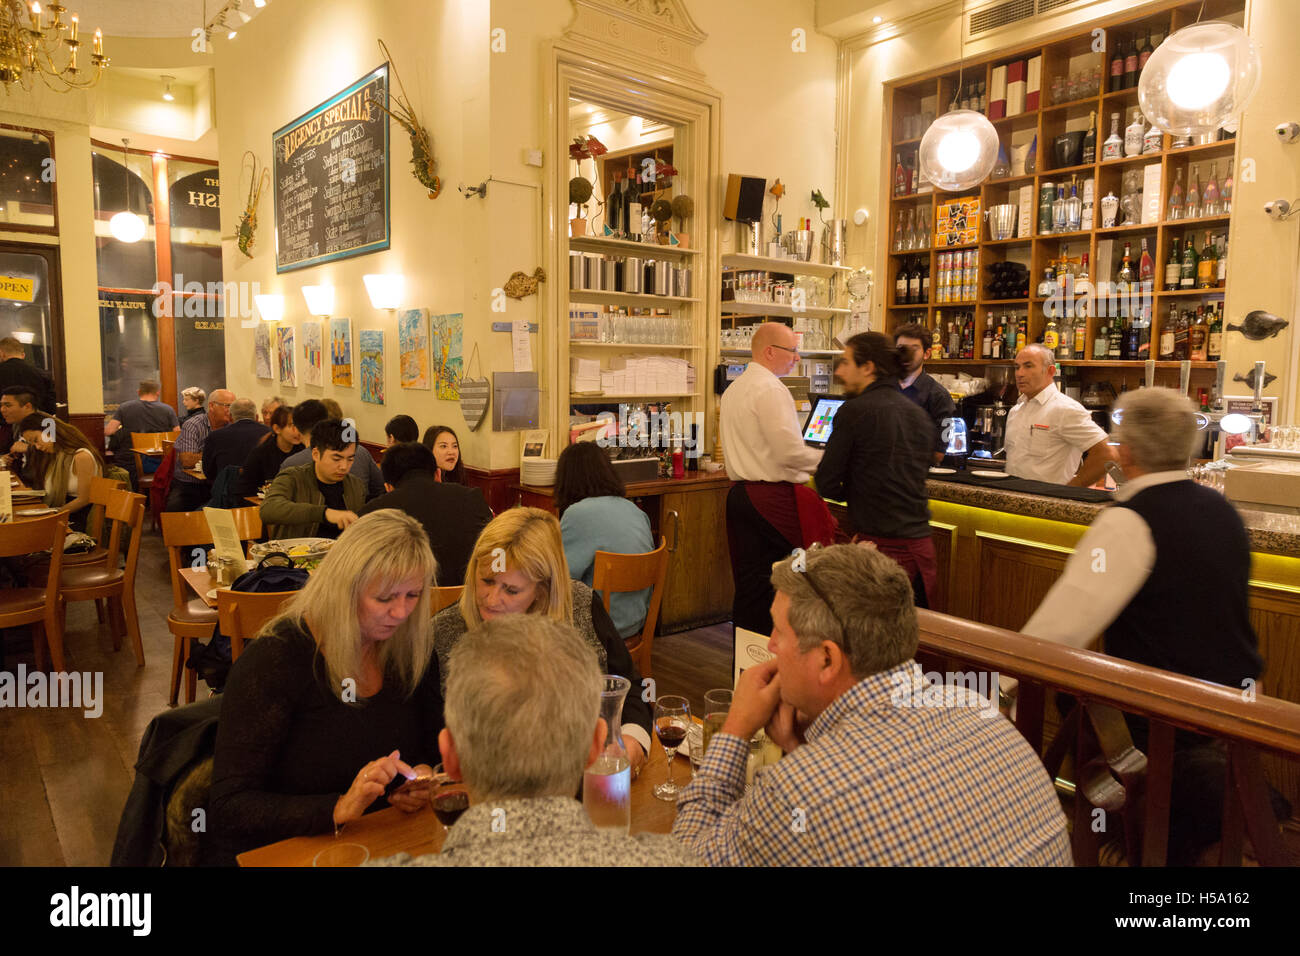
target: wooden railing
1110 773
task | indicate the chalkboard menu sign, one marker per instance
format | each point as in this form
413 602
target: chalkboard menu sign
331 178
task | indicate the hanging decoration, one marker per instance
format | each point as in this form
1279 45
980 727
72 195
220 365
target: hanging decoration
580 187
521 284
423 163
246 235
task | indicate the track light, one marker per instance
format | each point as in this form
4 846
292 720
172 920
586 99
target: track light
168 95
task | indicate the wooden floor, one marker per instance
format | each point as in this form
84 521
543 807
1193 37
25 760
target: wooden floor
64 777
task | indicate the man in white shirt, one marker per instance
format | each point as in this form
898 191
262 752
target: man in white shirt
1048 432
769 509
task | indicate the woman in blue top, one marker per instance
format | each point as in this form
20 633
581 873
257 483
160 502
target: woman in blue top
594 516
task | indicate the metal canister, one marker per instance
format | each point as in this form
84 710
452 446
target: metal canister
591 270
682 281
1046 197
633 275
577 279
609 275
663 277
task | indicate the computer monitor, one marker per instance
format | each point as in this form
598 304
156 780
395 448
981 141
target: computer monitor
817 427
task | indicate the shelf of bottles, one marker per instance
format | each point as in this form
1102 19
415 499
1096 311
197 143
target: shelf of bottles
1098 184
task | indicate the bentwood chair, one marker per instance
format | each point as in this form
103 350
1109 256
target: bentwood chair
620 573
186 535
96 582
241 615
444 597
38 605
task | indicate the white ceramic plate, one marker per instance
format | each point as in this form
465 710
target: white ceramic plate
943 471
990 474
316 546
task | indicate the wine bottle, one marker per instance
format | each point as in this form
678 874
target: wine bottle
986 345
1090 139
1115 339
899 235
1145 51
1173 267
634 218
914 283
1130 64
900 284
999 336
1221 247
925 279
613 212
1117 66
1214 347
900 176
954 341
1176 207
1113 147
1167 335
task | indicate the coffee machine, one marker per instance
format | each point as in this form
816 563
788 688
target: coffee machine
988 430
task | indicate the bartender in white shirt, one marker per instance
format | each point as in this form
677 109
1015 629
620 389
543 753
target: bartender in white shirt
1048 432
764 453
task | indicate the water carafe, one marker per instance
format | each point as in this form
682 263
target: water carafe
607 783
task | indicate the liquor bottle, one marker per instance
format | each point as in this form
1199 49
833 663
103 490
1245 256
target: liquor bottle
634 216
1207 266
1176 207
1152 140
936 340
984 98
1010 330
1125 273
1058 210
1181 331
613 219
1022 333
999 337
1133 134
1198 337
1139 337
1225 191
968 336
1145 50
914 284
1052 335
1173 267
1214 345
954 341
925 280
1193 208
1080 337
900 176
1073 208
900 284
986 345
1047 288
1046 200
1146 270
624 201
1221 247
1115 339
1130 64
1187 275
1066 342
1101 343
1210 195
1167 335
1090 139
1113 148
1117 66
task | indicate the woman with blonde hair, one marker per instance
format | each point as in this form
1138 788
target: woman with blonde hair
518 567
64 465
338 701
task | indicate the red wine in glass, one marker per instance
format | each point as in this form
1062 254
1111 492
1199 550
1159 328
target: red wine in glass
670 734
449 805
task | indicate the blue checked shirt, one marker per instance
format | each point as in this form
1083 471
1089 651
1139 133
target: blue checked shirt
194 433
889 776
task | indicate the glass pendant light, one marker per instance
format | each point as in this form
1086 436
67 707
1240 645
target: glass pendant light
1199 79
126 226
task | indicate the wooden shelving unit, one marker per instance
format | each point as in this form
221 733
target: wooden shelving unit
1061 55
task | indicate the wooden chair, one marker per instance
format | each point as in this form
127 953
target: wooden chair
241 615
190 617
444 597
619 573
105 580
147 441
101 490
38 606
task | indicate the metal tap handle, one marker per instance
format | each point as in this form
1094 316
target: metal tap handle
1184 376
1220 377
1150 372
1259 384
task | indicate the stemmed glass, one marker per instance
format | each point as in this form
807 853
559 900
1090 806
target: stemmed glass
672 721
449 798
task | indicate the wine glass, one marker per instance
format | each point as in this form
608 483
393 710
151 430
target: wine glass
449 798
672 720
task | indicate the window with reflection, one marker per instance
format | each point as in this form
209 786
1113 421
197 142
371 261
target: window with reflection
27 174
128 334
195 193
118 188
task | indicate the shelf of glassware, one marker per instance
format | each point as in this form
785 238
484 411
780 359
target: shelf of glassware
803 353
626 247
602 297
737 260
731 307
632 346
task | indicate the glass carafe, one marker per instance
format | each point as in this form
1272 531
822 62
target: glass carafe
607 783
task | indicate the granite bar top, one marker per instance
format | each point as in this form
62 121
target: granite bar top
1269 533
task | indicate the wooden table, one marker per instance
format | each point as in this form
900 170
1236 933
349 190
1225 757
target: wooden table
197 578
389 831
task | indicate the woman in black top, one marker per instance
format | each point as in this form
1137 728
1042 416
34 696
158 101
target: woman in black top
442 441
192 400
264 460
337 701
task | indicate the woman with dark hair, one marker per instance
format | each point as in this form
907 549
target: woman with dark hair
65 462
878 457
595 516
442 441
264 461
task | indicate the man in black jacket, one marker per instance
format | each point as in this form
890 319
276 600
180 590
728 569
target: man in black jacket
920 387
452 515
233 444
16 370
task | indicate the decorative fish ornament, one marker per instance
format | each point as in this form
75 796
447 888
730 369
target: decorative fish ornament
1259 325
520 284
1269 379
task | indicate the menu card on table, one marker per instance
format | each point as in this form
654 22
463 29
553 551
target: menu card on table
6 499
225 538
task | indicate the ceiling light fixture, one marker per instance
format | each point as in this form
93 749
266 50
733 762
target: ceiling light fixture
32 46
877 19
126 226
168 95
960 147
1199 79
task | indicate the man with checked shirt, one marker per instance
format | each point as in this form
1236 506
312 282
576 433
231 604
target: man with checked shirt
876 771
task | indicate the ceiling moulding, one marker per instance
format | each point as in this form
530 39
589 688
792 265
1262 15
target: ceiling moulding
892 29
660 30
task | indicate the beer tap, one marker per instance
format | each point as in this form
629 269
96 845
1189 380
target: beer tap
1150 370
1256 415
1213 433
1184 376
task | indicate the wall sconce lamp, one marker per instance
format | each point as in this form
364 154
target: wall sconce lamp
320 299
385 290
270 306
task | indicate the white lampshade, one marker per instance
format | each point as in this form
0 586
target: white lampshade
958 150
270 306
127 227
385 290
1199 78
320 299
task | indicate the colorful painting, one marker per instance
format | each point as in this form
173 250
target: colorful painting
957 222
341 352
288 360
371 350
448 366
413 348
262 350
314 352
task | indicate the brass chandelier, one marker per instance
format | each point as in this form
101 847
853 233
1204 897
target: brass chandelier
32 46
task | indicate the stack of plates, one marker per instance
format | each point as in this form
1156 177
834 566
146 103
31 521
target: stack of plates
538 471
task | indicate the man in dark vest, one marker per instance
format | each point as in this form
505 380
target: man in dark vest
1163 573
